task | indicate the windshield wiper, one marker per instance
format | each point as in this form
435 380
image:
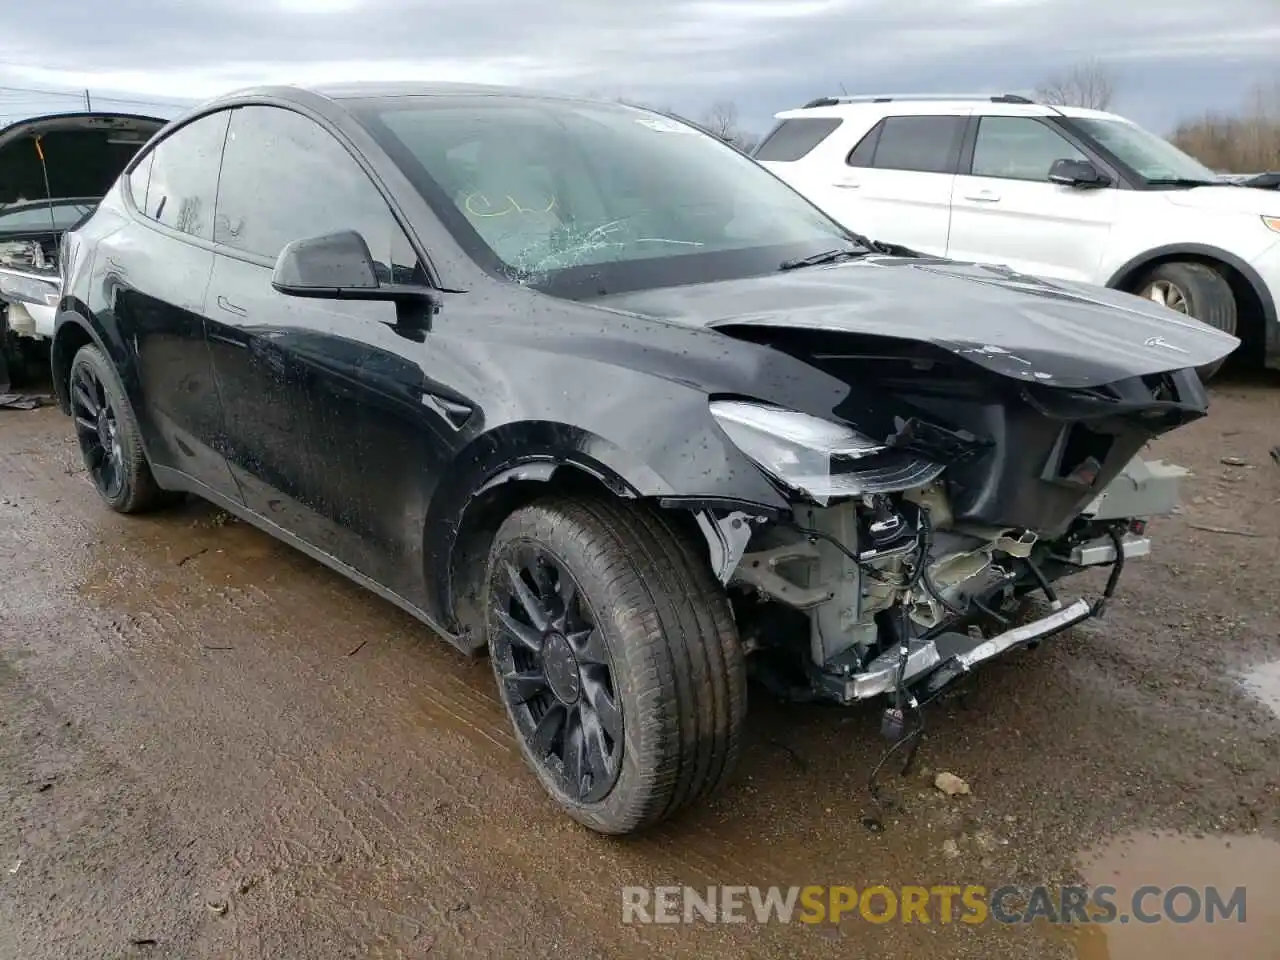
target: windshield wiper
1183 182
868 246
826 256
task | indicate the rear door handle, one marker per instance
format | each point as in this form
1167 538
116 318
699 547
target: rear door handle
983 196
847 184
227 305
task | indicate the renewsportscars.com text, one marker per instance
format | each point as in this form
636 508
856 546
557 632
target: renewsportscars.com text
970 904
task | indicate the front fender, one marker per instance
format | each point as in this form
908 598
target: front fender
539 451
72 329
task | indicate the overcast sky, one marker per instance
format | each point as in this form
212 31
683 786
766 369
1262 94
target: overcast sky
1171 57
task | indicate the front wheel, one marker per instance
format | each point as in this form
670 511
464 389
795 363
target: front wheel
616 658
1195 290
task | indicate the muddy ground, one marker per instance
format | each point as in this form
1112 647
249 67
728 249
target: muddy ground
211 746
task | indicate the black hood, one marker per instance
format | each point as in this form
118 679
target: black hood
83 153
1051 332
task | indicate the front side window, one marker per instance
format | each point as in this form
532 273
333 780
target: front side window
1153 158
916 144
585 199
285 178
1019 148
184 176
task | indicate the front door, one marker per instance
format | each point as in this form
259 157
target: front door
328 431
1004 209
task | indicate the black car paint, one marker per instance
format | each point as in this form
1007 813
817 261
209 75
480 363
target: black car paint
364 443
1052 332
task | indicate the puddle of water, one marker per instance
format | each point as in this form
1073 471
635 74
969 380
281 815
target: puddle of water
1171 860
1264 683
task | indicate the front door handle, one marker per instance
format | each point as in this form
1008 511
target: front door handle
983 196
847 184
227 305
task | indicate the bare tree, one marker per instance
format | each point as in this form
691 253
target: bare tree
721 118
1089 84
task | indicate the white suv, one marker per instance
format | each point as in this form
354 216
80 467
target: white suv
1062 193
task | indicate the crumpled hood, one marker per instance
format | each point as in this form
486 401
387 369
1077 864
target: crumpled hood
1057 333
1228 199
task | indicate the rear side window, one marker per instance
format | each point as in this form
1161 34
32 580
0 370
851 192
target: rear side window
795 138
184 176
918 144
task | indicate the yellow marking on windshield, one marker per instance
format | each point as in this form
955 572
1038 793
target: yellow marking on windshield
488 210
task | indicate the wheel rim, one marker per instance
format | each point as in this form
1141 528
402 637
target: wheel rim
98 431
1167 295
555 673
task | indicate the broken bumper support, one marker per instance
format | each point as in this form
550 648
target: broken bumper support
934 663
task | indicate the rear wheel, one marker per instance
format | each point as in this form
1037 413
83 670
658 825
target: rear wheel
110 441
1195 290
616 658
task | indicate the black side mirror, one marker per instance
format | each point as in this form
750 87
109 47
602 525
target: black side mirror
1077 173
337 266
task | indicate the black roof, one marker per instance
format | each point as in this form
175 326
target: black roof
370 89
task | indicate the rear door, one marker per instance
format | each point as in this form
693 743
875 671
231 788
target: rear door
328 431
897 181
1005 210
157 267
892 183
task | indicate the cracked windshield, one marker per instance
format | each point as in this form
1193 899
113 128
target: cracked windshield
546 186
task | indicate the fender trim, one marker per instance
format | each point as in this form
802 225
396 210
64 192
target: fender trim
60 320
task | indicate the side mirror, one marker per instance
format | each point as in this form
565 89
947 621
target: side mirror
337 266
1077 173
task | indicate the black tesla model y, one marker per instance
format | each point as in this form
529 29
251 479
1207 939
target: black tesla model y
581 385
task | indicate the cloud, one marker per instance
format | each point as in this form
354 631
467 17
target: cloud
1173 56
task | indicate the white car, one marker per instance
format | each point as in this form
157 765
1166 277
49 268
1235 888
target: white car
1061 193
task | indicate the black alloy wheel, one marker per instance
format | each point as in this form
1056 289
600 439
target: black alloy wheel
98 430
556 675
616 657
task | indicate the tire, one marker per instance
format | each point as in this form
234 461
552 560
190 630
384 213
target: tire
1198 291
644 612
110 441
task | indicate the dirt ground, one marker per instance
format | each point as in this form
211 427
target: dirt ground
211 746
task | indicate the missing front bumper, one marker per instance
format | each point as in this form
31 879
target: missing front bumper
932 664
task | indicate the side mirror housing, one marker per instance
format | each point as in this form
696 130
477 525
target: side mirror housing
1077 173
337 266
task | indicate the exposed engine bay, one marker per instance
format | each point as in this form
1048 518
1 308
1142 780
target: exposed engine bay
897 593
919 555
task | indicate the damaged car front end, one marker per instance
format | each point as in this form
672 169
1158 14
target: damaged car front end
891 576
976 461
53 172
